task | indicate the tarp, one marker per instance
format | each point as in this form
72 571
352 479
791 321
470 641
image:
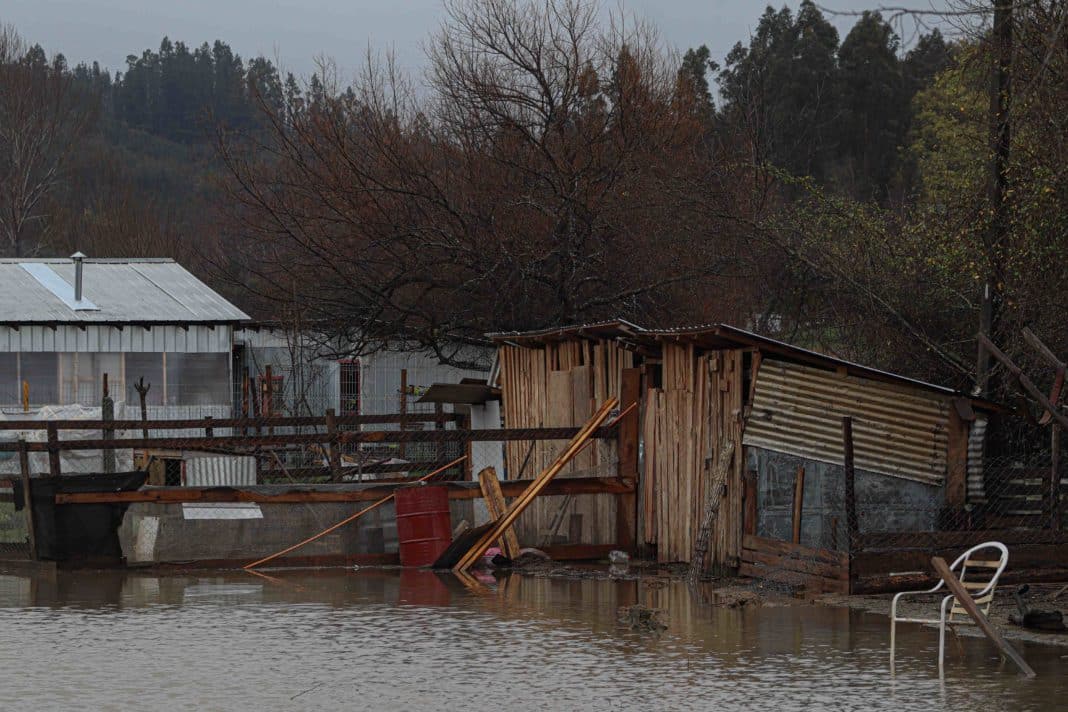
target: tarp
70 461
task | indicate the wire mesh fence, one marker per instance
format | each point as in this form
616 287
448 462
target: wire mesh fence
813 530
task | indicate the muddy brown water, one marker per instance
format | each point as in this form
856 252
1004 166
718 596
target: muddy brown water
393 639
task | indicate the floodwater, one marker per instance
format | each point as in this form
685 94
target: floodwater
391 639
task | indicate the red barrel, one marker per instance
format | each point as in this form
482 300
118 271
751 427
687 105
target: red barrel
424 527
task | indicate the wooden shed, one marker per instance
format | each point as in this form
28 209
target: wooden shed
707 389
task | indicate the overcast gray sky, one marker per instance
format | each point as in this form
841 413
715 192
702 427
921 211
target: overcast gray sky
298 30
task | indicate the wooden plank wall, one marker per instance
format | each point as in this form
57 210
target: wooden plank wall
814 570
686 421
561 384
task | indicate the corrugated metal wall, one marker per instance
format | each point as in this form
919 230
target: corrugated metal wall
96 338
220 471
896 430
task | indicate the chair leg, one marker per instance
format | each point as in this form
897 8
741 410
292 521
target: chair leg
893 638
942 640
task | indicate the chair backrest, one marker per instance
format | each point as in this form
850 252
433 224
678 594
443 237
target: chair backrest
980 568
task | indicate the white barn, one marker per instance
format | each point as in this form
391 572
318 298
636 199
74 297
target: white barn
64 323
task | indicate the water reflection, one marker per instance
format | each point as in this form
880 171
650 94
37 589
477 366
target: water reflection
411 639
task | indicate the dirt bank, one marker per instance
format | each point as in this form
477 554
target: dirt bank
1046 597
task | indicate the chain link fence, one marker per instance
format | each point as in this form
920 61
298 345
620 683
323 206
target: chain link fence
802 535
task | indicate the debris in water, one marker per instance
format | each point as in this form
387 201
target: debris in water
639 617
618 557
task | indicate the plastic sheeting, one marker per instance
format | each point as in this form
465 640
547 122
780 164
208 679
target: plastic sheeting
71 462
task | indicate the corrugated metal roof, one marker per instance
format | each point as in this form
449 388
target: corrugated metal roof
896 430
124 291
719 336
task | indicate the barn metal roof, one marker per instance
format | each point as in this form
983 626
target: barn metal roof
123 291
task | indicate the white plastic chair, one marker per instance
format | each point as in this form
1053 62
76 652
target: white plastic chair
983 593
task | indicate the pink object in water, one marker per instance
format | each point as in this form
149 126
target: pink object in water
490 553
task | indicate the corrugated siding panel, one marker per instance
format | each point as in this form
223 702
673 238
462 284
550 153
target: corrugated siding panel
94 338
220 471
976 451
896 431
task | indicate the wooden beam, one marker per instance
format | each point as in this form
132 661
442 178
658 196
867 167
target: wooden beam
1024 381
957 462
799 499
252 422
852 523
52 446
965 600
750 513
369 436
581 439
457 490
490 485
627 456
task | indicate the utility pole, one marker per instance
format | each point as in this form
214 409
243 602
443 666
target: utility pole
1000 139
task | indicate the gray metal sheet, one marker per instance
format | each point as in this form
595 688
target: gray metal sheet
897 431
130 291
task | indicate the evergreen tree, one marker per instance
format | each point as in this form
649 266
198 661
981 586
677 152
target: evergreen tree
874 105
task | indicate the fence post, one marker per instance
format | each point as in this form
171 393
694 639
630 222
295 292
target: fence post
53 450
750 513
852 525
1055 476
402 450
439 424
209 431
107 414
469 472
627 455
799 501
142 395
332 445
27 499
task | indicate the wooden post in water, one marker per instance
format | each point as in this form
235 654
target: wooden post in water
495 503
27 499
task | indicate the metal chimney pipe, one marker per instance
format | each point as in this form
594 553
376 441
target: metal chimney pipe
78 259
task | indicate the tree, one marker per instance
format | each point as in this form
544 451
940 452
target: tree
42 118
550 173
874 107
783 85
